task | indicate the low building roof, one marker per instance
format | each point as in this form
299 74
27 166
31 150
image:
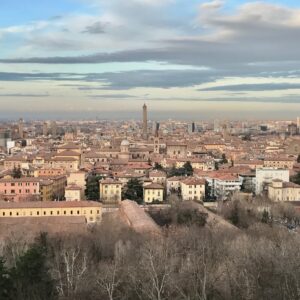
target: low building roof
154 186
110 181
193 181
49 204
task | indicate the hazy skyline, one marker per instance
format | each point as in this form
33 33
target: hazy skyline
184 58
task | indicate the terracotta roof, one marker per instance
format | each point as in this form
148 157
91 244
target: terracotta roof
175 178
156 173
68 153
193 181
137 218
154 186
73 187
64 159
110 181
69 146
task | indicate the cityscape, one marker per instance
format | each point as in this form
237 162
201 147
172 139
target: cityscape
149 149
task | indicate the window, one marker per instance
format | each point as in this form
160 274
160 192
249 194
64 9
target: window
65 212
51 212
44 213
10 213
78 212
91 212
98 211
17 214
71 212
3 213
58 212
38 213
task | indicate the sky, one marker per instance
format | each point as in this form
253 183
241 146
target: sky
198 59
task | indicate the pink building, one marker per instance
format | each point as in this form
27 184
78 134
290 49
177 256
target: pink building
22 189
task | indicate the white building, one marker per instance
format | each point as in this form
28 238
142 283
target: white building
226 185
265 176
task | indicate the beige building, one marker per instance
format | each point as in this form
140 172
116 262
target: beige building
281 163
78 178
110 191
193 189
74 193
279 190
48 172
153 192
159 177
176 150
92 211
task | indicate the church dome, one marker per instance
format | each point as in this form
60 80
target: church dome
125 143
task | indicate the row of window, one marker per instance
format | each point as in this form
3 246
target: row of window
45 213
153 192
21 183
27 191
106 186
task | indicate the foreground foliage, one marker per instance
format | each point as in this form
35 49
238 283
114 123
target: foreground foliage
188 261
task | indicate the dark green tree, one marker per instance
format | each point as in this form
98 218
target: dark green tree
191 217
92 187
234 217
188 169
176 172
265 217
158 166
224 159
16 173
296 178
6 284
247 137
133 191
31 277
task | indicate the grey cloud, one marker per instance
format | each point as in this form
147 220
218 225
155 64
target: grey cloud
12 76
120 80
113 96
253 87
147 78
24 95
234 44
96 28
290 100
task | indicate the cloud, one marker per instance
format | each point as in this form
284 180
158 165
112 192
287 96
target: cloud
254 87
230 41
119 80
212 5
254 40
96 28
22 95
113 96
